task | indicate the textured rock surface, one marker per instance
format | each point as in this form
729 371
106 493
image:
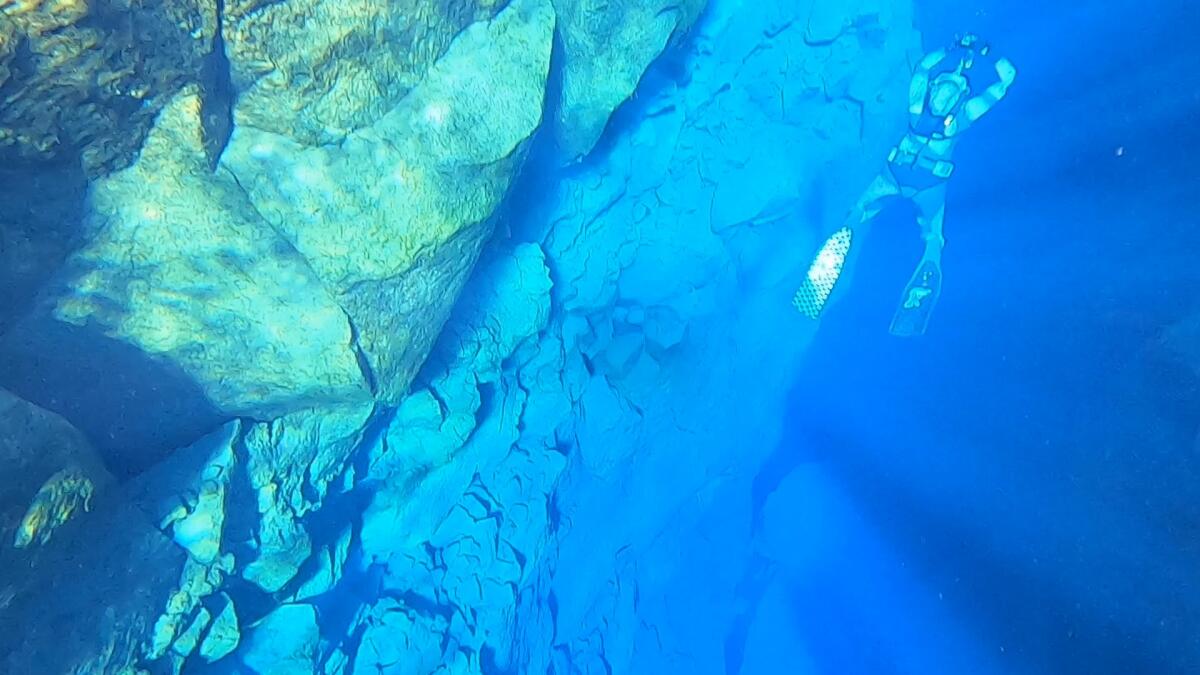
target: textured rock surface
86 78
315 70
587 489
36 444
607 46
284 642
543 498
91 598
291 462
392 219
206 303
239 503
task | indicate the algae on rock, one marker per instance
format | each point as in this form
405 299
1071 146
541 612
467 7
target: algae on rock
86 78
179 270
315 70
607 47
393 218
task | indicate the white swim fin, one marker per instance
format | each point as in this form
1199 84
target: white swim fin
823 274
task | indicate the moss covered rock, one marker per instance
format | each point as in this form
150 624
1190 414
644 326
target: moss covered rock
393 218
607 46
314 70
85 78
182 296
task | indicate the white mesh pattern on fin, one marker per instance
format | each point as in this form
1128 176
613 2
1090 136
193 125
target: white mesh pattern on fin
823 274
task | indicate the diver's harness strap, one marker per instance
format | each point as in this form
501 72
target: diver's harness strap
940 168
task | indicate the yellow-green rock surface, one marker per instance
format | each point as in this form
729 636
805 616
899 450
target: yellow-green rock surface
86 77
180 266
314 70
607 46
392 219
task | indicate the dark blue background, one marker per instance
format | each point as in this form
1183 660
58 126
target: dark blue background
1034 458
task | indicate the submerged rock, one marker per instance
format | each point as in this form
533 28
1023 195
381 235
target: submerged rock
90 600
50 472
236 502
186 495
607 46
284 642
393 218
84 80
183 308
290 463
223 635
315 70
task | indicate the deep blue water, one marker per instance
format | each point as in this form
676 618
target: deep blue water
1029 466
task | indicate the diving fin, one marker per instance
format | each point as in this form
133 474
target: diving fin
918 300
823 273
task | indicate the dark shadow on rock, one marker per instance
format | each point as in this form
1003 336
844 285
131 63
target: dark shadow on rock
40 211
89 598
133 408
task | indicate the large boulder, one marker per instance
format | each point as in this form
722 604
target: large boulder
83 571
314 70
607 47
35 446
84 80
393 218
183 308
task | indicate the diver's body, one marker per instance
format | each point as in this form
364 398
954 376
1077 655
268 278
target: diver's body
945 98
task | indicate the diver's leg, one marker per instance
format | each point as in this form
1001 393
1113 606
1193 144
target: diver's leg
839 250
931 213
921 294
870 203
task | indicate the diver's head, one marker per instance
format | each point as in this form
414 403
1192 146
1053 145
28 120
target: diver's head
946 92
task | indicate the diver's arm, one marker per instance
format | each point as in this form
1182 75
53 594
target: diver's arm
977 106
919 85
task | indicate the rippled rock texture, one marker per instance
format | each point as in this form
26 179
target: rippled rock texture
346 446
85 78
295 275
315 70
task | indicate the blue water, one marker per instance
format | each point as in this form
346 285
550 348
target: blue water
664 469
1023 480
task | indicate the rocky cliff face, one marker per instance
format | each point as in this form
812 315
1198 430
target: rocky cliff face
343 445
82 80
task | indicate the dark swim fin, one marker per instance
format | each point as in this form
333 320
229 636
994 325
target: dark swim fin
917 303
823 274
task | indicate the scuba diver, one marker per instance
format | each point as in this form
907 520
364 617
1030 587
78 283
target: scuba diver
947 95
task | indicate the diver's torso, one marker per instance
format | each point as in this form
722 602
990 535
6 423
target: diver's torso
919 162
922 158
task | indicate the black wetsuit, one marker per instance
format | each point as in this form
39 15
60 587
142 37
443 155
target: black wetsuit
915 171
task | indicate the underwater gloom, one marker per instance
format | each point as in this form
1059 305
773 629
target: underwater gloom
599 337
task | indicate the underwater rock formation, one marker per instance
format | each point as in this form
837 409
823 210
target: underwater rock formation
82 600
584 481
392 218
315 70
209 298
606 48
290 465
83 80
49 470
526 490
236 503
